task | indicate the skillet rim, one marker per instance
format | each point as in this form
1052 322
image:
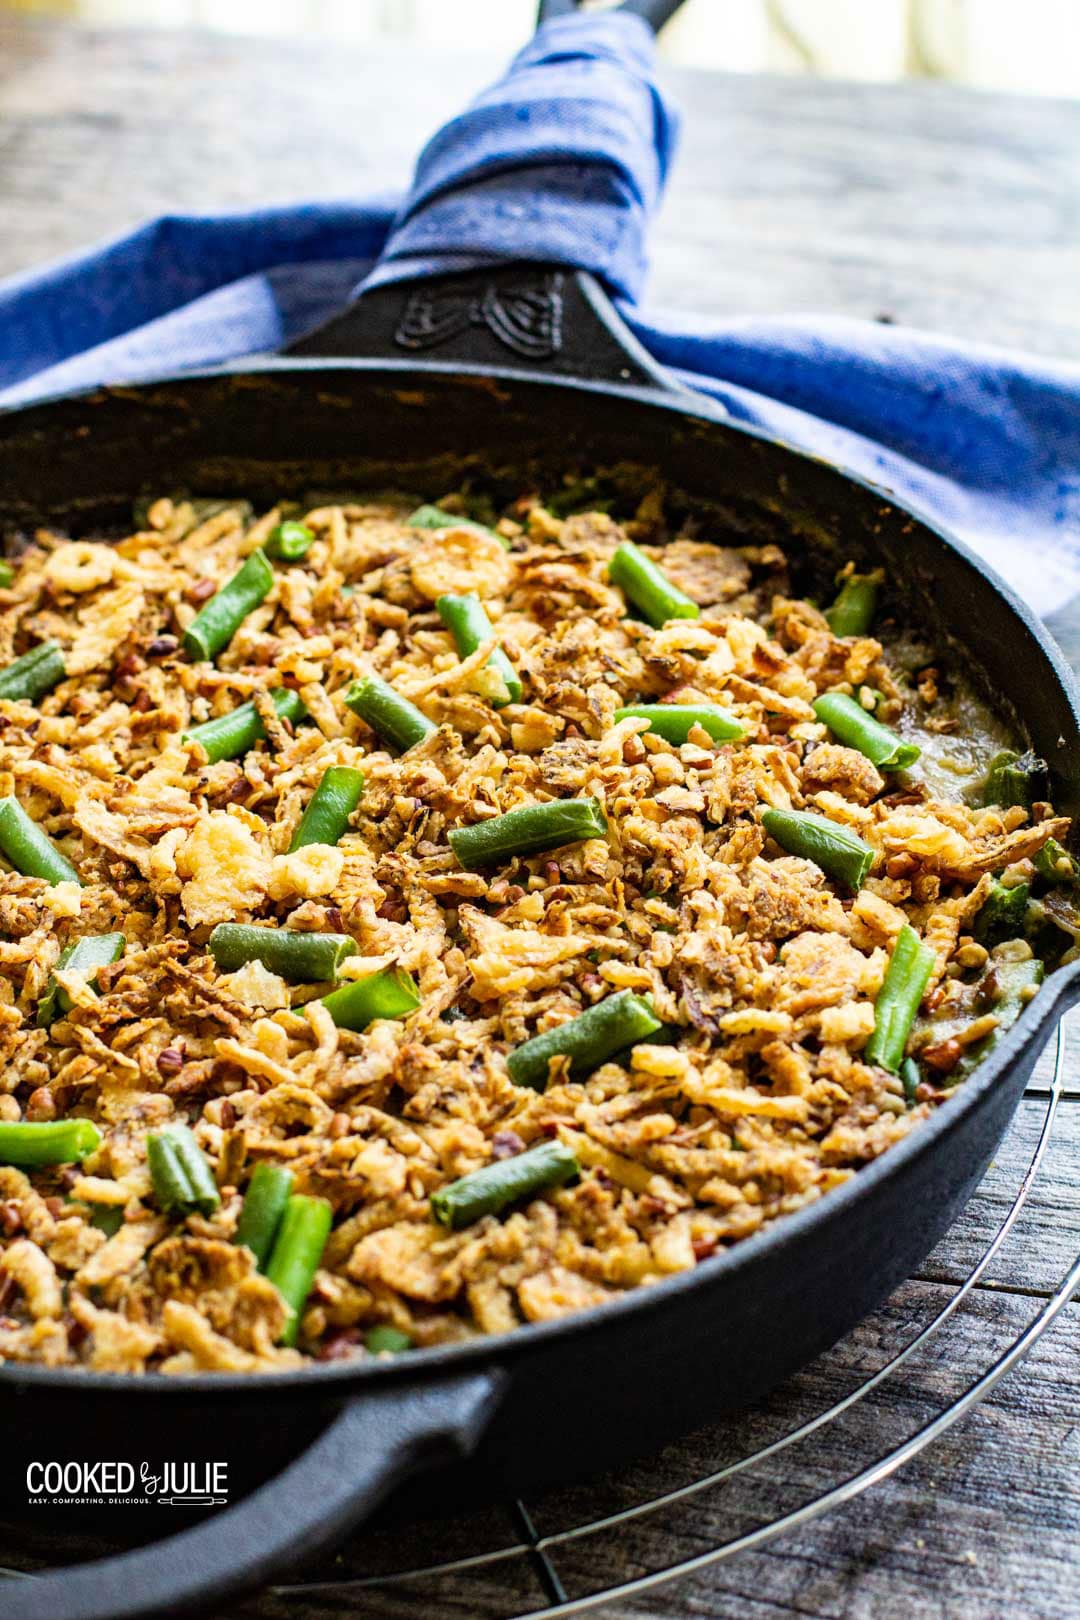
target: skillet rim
1060 989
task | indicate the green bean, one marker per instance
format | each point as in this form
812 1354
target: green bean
1055 864
911 1079
34 674
326 818
674 721
648 588
385 1339
1003 913
232 734
528 830
60 1141
841 854
108 1218
906 978
7 576
852 613
468 623
214 627
389 993
90 952
1016 779
505 1181
578 495
264 1204
850 722
289 542
391 716
433 517
182 1178
609 1027
294 954
297 1252
29 850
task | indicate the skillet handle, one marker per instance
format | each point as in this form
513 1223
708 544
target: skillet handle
374 1442
655 12
536 318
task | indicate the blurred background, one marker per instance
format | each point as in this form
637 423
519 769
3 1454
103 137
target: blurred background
1024 45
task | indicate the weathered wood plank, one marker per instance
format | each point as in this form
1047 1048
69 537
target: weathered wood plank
1046 1238
963 1531
943 208
1042 1079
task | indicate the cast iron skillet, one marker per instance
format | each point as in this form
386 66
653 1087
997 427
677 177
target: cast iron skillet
534 372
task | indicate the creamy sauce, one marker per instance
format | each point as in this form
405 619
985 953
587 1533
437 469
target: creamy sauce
953 763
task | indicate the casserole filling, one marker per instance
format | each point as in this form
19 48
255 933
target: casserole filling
419 921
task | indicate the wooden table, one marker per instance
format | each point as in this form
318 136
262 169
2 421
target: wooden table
931 206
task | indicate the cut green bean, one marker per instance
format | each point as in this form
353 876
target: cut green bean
7 576
529 830
232 734
1016 779
648 589
602 1031
906 978
34 674
389 993
850 722
433 517
264 1205
911 1079
59 1141
1055 864
385 1339
1002 914
108 1218
468 623
578 495
214 627
289 542
391 716
297 1252
852 613
87 954
841 854
292 953
183 1181
674 721
29 850
506 1181
326 818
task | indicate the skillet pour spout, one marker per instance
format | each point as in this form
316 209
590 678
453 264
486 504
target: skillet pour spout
514 372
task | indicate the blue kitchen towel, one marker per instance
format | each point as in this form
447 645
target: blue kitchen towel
564 160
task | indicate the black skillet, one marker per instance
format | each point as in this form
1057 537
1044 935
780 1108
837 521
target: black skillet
535 373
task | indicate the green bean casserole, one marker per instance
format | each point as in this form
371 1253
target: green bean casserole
419 922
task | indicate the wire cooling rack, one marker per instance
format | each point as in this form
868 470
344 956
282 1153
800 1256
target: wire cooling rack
875 1402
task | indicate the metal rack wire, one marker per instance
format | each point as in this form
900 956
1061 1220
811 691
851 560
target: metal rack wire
567 1561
